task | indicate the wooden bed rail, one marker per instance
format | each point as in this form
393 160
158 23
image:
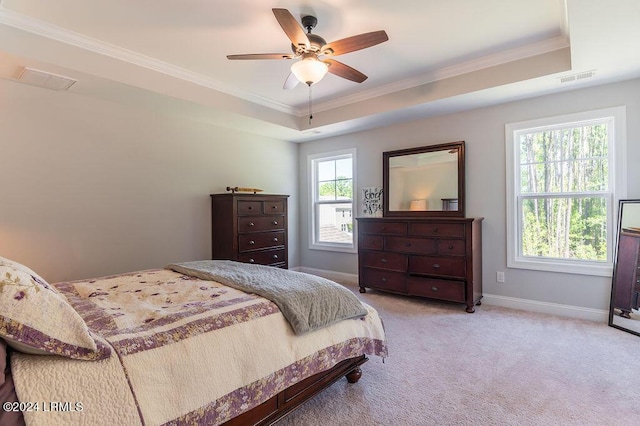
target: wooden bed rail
289 399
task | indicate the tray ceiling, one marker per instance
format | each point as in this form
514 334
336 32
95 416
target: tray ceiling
440 57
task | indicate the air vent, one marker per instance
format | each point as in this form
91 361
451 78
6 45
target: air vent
45 79
577 76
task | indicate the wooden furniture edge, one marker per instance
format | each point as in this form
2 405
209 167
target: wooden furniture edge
291 398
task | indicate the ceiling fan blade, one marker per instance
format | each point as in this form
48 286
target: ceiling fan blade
262 56
291 27
291 82
344 71
353 43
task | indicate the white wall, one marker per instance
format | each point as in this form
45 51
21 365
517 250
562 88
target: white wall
91 188
483 131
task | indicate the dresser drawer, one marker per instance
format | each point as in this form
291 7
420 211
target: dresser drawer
260 223
452 247
273 207
387 228
384 260
437 289
410 245
370 242
437 229
249 207
434 265
385 280
267 257
249 242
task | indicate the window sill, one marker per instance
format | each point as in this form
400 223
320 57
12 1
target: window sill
566 267
333 247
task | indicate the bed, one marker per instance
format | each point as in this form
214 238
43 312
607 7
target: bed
209 342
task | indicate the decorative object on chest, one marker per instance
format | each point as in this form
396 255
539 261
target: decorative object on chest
439 258
250 228
241 189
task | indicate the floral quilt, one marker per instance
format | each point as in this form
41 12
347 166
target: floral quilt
184 351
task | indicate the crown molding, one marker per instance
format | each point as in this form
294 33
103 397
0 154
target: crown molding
534 49
53 32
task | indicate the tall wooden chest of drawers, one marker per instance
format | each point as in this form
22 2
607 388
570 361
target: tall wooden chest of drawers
250 228
439 258
627 273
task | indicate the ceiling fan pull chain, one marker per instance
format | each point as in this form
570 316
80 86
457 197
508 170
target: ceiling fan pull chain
310 114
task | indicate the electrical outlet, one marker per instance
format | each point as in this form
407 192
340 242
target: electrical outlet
500 276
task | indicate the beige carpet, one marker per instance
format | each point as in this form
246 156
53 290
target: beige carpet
494 367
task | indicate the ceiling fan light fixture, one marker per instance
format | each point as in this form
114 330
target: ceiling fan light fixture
309 70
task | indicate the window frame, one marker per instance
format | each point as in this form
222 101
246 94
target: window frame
314 203
617 189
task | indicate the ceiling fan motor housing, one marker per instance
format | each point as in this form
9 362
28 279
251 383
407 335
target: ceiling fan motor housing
315 44
315 41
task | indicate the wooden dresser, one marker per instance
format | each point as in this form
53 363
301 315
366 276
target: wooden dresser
250 228
627 273
439 258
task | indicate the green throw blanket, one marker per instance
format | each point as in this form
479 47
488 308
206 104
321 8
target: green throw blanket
307 301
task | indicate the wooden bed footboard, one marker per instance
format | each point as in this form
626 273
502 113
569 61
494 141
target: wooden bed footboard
289 399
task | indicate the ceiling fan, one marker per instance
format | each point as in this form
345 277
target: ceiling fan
311 68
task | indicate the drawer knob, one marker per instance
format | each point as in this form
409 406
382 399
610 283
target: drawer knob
275 239
275 222
252 242
450 246
251 224
435 230
407 244
274 207
384 279
250 207
252 261
434 288
383 260
436 266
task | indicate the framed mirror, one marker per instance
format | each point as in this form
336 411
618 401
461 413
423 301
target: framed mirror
624 312
424 181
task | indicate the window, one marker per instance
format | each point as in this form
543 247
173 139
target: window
564 177
332 177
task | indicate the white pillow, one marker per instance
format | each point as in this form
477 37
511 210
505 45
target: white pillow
36 318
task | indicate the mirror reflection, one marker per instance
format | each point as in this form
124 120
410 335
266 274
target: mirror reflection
424 181
625 293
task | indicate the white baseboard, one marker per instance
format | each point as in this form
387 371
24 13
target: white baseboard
570 311
350 279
